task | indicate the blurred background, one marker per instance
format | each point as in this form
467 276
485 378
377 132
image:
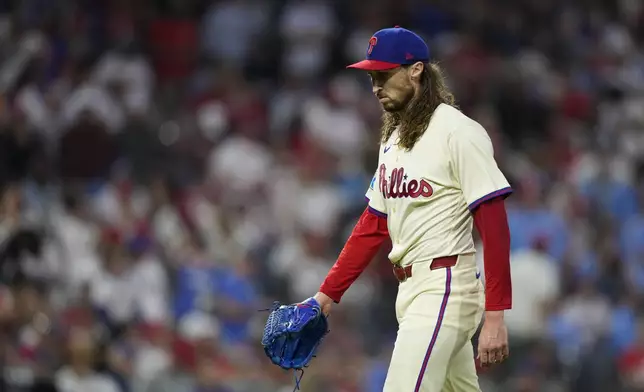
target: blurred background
170 167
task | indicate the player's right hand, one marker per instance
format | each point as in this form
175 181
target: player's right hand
325 302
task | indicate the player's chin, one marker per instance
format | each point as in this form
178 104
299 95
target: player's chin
390 106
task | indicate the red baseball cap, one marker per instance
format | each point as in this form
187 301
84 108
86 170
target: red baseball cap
390 48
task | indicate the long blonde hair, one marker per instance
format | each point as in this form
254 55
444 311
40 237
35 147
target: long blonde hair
414 120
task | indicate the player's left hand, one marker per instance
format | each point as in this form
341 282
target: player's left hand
493 339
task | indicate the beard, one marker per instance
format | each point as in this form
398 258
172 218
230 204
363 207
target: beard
391 105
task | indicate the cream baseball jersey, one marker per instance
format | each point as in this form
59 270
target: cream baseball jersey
428 193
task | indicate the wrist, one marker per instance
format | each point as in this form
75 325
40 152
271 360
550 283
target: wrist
329 291
323 299
497 315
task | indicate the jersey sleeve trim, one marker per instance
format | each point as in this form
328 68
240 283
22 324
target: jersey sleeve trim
374 211
505 192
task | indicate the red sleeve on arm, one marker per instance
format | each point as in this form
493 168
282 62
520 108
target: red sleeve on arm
363 244
491 221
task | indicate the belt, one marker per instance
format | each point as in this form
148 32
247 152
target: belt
402 273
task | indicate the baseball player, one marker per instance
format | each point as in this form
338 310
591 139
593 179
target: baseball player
436 179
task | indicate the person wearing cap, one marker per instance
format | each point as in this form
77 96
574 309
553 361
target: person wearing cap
436 179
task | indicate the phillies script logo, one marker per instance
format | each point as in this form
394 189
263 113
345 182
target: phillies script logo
398 187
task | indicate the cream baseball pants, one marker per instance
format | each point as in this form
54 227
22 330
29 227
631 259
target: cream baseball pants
438 312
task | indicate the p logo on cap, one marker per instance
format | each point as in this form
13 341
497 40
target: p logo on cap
372 42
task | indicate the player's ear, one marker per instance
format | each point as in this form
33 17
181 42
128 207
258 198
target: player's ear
416 71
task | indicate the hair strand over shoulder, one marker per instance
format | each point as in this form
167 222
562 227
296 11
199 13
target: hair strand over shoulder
415 119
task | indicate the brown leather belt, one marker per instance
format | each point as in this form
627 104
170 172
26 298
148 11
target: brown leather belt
402 273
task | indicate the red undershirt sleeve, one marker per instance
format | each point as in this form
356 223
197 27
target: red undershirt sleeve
491 221
364 242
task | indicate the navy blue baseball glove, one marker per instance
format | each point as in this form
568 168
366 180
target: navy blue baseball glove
293 333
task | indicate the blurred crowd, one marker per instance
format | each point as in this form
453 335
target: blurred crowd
168 168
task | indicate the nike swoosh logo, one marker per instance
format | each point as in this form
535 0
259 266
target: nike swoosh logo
387 149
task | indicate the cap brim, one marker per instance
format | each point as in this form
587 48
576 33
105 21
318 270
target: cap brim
373 65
